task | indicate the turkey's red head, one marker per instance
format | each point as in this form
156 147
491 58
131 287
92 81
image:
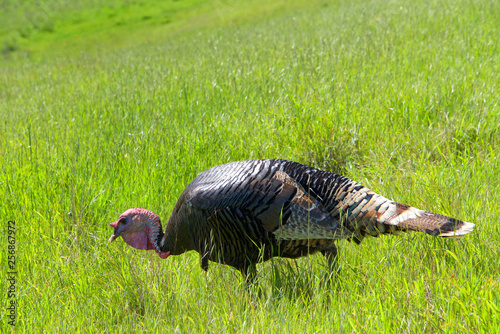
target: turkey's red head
140 228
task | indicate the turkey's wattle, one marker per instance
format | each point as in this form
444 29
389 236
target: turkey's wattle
139 228
245 212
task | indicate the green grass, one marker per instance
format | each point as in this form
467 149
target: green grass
401 96
36 29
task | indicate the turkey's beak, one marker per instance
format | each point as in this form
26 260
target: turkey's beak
115 235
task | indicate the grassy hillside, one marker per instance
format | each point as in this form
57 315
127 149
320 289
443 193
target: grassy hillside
34 28
401 96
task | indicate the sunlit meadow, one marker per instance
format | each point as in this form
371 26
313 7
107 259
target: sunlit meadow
107 105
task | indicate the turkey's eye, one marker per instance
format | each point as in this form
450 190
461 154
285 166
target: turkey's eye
123 221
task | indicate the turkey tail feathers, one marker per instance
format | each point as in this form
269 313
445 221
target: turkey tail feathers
461 228
407 217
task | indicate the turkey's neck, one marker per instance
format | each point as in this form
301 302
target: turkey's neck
175 240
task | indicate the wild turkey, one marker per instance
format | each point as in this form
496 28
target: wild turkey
245 212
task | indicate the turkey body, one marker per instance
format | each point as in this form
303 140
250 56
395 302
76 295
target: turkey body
246 212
